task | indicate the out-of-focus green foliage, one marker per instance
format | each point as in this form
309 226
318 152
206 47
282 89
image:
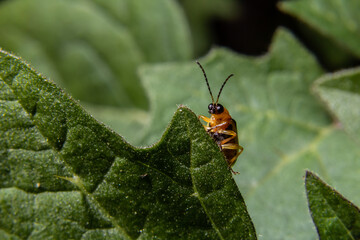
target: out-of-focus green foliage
93 48
202 14
341 93
334 24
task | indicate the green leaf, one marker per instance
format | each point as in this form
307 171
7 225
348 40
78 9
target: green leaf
93 48
339 20
200 15
334 216
341 93
157 27
130 123
65 176
282 126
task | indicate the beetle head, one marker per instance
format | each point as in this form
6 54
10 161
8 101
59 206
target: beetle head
215 108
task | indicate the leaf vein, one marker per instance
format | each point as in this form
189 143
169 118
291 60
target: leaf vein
335 216
287 159
197 194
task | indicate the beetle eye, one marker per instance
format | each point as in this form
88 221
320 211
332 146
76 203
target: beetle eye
211 108
219 108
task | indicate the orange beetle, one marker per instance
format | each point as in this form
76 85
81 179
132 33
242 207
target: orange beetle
221 127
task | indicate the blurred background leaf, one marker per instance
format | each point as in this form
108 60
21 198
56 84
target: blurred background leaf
282 126
341 93
201 15
92 48
338 20
330 26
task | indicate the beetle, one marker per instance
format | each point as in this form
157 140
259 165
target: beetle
222 127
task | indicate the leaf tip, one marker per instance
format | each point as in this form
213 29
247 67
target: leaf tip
311 177
75 180
308 174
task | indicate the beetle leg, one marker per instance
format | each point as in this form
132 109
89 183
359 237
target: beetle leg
207 120
234 147
227 132
219 125
232 170
214 128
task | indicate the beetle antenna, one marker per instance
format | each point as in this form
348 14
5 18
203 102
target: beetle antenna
207 83
223 87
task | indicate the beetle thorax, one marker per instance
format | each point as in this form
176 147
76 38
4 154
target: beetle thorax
223 118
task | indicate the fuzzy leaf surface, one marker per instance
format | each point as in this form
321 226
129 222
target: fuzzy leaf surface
334 216
66 176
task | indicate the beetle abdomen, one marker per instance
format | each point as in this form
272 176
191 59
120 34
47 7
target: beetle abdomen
219 137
